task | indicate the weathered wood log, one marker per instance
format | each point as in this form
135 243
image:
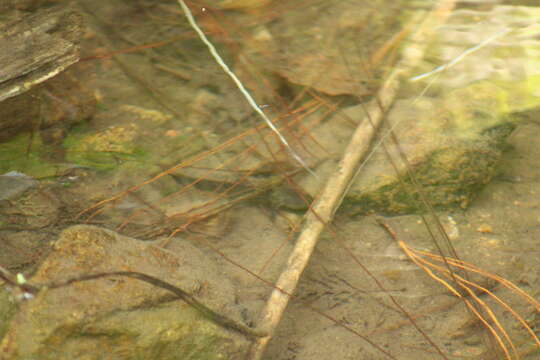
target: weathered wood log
36 92
39 47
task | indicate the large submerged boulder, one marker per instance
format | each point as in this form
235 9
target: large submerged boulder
450 124
121 317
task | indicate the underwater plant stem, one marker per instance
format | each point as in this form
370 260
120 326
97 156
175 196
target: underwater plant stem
241 87
224 321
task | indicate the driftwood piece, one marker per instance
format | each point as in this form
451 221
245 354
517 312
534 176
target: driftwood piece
37 90
38 47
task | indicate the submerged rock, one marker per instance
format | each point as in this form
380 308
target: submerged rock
454 134
120 317
13 184
450 153
338 50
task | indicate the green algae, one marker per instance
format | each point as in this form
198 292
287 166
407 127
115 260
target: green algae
28 154
464 136
105 150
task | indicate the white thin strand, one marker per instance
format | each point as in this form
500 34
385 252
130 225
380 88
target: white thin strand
461 56
240 86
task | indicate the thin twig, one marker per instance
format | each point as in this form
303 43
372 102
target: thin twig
241 87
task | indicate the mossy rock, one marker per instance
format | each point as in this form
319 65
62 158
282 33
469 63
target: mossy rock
121 317
454 134
452 146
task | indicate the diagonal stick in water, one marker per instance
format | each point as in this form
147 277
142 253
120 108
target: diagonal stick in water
323 210
240 86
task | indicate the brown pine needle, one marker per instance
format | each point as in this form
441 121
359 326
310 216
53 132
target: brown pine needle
491 294
421 263
428 266
488 326
495 320
470 267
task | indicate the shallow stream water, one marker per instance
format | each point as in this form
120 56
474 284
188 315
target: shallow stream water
162 101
